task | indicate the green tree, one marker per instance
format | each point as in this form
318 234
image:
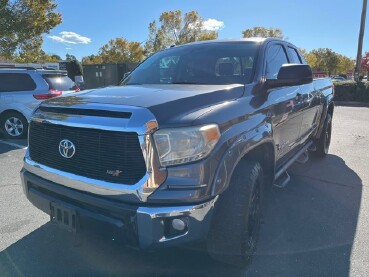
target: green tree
22 24
263 32
118 50
326 60
121 50
175 29
345 64
70 57
92 59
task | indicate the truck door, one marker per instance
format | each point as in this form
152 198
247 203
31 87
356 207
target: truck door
309 100
284 103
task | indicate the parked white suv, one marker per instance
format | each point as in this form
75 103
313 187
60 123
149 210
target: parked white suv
21 91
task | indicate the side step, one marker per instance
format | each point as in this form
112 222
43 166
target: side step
281 176
282 180
312 147
303 158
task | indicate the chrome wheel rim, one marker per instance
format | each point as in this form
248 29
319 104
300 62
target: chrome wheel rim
14 126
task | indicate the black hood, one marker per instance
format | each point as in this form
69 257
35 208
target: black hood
166 102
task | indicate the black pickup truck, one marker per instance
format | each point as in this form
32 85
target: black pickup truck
184 149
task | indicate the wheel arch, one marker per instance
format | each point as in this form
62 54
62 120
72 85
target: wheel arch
5 112
258 147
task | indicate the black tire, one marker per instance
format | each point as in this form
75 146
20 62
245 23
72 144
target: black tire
234 232
18 130
322 144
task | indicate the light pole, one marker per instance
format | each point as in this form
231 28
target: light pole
361 37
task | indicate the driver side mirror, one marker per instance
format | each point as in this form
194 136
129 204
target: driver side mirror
291 75
125 75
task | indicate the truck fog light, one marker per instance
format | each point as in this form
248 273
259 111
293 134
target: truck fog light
178 224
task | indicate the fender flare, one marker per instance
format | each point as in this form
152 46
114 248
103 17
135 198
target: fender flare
328 102
244 143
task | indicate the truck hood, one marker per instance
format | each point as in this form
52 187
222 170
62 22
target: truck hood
168 103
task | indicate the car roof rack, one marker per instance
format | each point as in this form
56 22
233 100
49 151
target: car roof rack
17 67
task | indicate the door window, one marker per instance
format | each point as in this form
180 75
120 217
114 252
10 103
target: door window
276 57
295 58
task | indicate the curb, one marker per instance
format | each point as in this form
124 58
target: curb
351 104
16 145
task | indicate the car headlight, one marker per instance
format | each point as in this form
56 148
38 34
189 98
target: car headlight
184 145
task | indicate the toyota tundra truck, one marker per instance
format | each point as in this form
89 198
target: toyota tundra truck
184 149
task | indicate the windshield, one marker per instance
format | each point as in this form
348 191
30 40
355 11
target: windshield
59 82
207 63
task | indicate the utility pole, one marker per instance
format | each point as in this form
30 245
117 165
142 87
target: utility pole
360 44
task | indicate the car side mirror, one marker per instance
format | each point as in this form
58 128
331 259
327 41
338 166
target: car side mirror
291 75
125 75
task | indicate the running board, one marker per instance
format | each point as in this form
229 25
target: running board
303 158
284 168
282 180
312 148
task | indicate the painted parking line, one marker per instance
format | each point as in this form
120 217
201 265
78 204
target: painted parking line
13 144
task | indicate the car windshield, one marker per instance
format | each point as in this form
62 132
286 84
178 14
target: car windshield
207 63
59 82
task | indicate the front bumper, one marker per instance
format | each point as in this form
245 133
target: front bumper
146 227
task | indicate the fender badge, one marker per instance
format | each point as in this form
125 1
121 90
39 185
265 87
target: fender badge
114 173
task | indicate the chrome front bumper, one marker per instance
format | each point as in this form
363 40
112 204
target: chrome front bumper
149 225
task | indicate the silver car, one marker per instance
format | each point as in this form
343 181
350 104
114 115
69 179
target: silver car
22 90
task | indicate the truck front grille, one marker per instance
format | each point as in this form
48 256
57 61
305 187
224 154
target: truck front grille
110 156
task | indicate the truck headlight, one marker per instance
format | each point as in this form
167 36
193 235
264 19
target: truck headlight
184 145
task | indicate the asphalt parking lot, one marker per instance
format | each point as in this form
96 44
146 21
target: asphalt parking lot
317 226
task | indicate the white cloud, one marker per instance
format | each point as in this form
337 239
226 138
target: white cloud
68 48
70 38
213 25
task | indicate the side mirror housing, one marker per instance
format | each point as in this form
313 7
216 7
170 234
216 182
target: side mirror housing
292 75
125 75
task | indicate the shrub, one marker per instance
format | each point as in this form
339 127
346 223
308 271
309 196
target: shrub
352 91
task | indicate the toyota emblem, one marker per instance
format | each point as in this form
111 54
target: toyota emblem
67 149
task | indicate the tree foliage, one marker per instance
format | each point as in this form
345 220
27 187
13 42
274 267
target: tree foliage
22 23
365 63
118 50
175 28
263 32
325 59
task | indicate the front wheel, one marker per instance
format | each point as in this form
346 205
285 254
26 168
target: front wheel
14 125
235 228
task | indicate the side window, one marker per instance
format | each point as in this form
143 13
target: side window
295 58
16 82
276 57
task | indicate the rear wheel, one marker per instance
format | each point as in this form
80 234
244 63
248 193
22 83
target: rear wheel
322 144
235 228
14 125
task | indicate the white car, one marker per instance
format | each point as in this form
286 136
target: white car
22 90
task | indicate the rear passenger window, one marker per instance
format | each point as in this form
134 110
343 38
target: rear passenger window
16 82
276 57
295 58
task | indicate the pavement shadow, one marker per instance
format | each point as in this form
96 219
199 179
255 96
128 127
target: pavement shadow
309 230
6 145
310 226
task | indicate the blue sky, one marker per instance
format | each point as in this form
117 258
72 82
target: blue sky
88 24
